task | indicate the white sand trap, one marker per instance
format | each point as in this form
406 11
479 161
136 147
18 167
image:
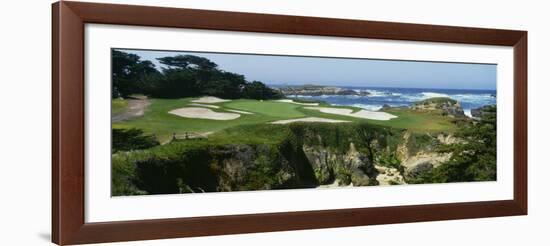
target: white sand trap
364 114
309 119
209 99
299 103
373 115
238 111
203 113
204 105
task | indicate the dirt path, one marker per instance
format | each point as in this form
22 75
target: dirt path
136 107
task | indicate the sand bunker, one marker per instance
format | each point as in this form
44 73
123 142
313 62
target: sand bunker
209 99
204 105
364 114
203 113
309 119
238 111
299 103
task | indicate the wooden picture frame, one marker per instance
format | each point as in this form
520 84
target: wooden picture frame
68 223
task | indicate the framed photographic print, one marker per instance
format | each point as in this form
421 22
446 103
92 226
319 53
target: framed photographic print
176 122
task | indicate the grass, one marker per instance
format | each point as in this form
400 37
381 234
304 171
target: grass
274 109
418 121
118 105
159 122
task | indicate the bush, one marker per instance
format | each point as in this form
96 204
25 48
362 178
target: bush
471 160
131 139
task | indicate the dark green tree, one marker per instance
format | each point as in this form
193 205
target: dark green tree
181 76
258 90
128 72
188 62
174 83
473 159
224 84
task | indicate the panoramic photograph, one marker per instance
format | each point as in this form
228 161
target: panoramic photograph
197 122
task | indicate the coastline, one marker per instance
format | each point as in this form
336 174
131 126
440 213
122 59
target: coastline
374 98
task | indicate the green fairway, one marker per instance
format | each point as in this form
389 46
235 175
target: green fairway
156 119
418 121
267 108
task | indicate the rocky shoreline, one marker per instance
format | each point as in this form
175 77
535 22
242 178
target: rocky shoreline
316 90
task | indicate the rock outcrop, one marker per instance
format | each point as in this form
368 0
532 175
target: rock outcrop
347 168
316 90
485 111
389 176
445 105
417 161
313 156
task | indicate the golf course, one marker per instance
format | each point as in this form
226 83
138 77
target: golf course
158 119
191 126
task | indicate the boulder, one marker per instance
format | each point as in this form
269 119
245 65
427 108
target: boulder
389 176
484 111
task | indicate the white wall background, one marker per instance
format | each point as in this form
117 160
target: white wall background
25 121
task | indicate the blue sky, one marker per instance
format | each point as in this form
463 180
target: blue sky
293 70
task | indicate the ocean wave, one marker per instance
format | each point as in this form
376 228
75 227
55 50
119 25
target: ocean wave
367 106
473 97
375 93
414 97
433 94
379 97
468 112
379 93
468 98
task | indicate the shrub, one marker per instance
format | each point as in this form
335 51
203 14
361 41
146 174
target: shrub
131 139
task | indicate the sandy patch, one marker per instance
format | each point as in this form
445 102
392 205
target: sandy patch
299 103
308 119
238 111
364 114
204 105
335 184
210 99
388 176
203 113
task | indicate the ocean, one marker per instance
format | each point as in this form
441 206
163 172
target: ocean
468 99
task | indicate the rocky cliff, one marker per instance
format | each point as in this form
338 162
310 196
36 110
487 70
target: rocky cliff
312 155
416 161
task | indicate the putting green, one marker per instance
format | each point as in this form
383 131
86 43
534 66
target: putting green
267 108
